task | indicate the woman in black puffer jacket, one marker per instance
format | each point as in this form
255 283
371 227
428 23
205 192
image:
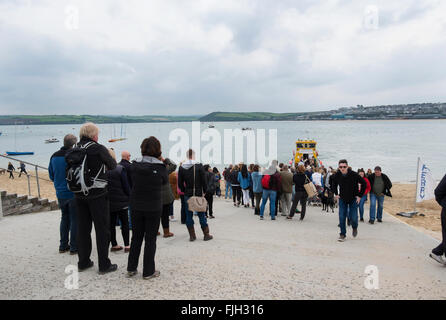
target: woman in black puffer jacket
236 189
148 174
118 195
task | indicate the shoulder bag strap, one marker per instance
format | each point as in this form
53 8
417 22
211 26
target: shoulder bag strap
193 194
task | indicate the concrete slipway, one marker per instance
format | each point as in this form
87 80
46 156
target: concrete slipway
248 259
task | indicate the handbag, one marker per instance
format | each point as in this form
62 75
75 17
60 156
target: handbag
310 188
197 204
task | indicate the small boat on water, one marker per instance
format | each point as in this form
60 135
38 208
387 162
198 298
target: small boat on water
244 129
211 126
114 135
116 140
17 153
52 140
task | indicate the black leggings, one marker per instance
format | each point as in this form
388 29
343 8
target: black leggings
165 216
123 217
144 227
236 193
210 200
302 197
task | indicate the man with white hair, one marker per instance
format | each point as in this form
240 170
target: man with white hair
93 204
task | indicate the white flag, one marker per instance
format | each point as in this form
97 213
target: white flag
426 183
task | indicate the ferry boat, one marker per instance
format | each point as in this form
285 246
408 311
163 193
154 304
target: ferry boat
305 150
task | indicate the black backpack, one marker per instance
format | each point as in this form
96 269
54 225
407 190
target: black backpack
78 175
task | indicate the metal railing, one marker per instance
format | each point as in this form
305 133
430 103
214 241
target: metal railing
36 167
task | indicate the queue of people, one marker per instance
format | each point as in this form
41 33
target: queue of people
94 190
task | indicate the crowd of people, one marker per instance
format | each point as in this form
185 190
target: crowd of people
94 189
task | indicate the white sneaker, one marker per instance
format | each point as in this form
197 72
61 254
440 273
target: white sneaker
172 218
437 258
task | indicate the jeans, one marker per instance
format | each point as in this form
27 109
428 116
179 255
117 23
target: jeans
361 206
350 211
379 213
68 224
228 190
190 215
271 195
258 197
218 190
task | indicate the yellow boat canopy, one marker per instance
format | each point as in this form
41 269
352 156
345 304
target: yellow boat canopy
305 149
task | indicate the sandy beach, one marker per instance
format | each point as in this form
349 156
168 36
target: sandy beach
403 200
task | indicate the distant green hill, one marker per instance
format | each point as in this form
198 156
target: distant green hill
249 116
79 119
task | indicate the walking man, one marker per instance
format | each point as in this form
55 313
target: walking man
349 196
22 169
381 185
440 195
65 198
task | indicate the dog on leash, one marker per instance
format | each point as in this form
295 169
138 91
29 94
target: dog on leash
328 201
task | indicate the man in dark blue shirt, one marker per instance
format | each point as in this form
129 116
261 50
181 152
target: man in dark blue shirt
68 222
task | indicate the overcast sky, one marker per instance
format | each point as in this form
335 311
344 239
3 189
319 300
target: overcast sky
195 57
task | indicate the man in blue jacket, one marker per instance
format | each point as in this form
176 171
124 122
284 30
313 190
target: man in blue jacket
68 222
440 196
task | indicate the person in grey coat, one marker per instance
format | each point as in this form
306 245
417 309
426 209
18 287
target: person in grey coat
168 198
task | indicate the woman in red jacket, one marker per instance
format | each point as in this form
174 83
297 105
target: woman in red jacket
361 172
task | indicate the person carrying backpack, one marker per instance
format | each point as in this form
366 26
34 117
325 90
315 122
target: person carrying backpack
65 198
87 163
270 184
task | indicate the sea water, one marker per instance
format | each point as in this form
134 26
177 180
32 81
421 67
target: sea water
393 145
